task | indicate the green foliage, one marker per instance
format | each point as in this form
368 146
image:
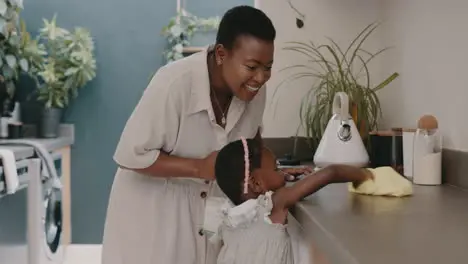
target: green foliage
180 31
67 63
17 52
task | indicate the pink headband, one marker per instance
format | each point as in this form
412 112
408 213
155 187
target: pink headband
246 161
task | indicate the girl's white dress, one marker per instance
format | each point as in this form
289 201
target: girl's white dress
246 235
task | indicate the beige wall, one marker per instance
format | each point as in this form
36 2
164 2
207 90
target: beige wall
430 53
431 40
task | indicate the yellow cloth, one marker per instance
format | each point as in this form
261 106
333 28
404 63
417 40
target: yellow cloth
386 182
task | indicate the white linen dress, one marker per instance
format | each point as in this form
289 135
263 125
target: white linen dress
154 220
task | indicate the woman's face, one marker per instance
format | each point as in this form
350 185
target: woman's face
247 67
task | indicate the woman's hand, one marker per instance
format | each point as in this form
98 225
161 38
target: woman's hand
206 166
291 173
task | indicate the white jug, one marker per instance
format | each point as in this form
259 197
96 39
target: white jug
341 142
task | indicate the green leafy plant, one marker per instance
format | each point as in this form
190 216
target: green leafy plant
67 65
31 51
180 31
333 70
17 50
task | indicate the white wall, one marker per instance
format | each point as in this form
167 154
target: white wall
430 52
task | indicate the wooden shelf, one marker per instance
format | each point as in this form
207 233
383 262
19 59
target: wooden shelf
191 50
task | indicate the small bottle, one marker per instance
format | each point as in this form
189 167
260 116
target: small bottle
427 153
5 119
408 145
16 113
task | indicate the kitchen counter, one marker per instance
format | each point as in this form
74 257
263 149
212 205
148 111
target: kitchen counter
430 227
50 144
65 139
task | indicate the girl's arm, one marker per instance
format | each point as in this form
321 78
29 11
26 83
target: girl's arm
286 197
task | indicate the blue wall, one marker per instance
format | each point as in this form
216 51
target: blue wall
129 50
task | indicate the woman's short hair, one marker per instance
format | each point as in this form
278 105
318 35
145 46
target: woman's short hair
244 20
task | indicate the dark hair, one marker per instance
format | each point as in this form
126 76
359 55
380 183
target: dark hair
244 20
230 167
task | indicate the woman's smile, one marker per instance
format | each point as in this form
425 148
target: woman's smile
252 88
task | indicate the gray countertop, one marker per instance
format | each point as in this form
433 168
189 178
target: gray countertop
20 152
50 144
430 227
66 138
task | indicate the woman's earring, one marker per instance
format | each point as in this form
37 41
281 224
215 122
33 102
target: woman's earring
219 61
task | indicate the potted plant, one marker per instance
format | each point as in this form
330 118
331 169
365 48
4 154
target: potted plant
334 70
67 65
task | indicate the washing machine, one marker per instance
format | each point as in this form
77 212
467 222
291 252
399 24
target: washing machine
14 215
45 236
31 218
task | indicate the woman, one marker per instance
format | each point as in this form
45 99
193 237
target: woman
191 109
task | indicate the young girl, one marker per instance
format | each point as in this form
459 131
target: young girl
253 229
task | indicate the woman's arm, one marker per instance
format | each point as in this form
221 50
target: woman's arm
173 166
151 133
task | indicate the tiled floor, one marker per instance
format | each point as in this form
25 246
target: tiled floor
83 254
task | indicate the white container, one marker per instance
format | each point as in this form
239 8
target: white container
408 144
4 121
341 142
427 157
16 114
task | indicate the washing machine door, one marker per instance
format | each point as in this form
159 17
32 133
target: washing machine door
52 220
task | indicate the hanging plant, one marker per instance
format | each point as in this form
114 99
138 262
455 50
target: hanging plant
300 17
180 31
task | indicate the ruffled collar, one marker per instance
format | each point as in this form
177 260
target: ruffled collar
247 212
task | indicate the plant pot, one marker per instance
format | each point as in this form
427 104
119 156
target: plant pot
50 122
